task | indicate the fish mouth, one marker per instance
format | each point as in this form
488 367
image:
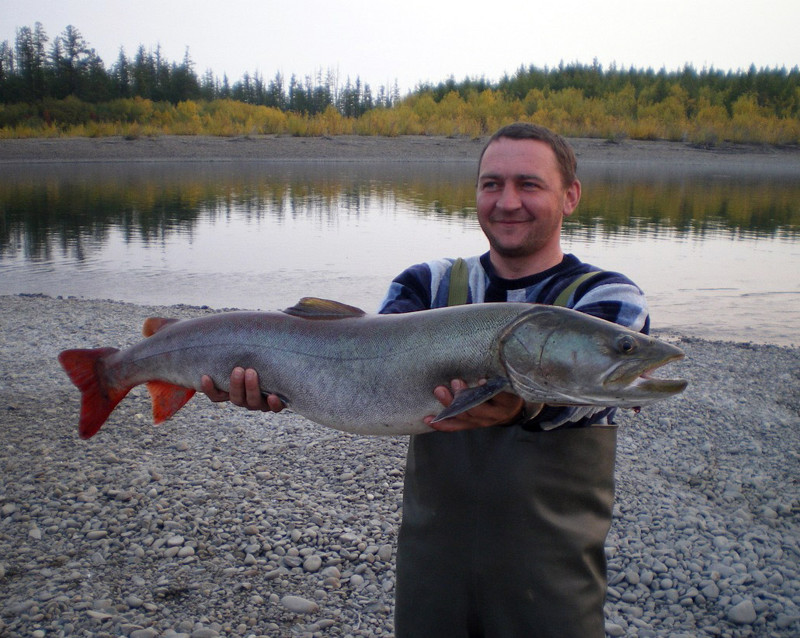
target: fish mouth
638 376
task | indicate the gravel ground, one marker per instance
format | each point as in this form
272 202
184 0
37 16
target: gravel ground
222 522
659 156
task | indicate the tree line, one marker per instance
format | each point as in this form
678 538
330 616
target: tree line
35 68
63 87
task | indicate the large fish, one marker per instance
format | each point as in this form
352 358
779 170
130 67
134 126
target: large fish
375 374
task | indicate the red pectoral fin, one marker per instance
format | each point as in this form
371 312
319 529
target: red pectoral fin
167 399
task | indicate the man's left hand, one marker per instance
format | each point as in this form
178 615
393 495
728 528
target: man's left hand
501 409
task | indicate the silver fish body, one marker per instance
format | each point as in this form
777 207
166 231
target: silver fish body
375 374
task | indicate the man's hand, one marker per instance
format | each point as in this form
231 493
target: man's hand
244 392
502 408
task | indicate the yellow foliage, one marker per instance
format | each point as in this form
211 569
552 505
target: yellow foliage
621 104
533 101
654 115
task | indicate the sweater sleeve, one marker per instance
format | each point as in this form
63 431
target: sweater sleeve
409 291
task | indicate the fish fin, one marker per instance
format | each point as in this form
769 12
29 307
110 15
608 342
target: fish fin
86 370
153 324
167 399
471 397
323 309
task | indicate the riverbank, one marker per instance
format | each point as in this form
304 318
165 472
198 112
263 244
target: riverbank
409 148
222 522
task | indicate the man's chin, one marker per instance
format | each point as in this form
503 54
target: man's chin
514 252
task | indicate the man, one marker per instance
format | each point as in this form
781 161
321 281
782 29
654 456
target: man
507 507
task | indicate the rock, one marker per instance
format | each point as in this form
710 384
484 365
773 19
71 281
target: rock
96 534
312 563
299 605
743 614
385 552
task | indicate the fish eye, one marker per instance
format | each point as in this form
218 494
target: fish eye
626 344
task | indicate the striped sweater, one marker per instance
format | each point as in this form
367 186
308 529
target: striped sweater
608 295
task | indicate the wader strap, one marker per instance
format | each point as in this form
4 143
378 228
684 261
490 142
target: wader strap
459 284
563 298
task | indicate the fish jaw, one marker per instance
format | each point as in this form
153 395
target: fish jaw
634 380
561 356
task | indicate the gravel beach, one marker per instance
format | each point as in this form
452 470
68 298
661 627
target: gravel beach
655 155
225 523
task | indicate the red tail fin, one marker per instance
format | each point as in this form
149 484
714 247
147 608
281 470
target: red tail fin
98 400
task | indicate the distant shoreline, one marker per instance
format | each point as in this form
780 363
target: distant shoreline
412 148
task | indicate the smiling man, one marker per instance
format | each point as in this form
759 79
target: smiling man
522 199
507 507
504 527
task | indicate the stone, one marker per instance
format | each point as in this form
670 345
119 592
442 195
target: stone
743 614
299 605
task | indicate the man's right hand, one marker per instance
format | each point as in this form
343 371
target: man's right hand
244 392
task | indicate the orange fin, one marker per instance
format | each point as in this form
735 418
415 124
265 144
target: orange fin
87 371
325 309
153 324
167 398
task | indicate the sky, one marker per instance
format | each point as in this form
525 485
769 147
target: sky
417 41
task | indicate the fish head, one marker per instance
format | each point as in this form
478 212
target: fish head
561 356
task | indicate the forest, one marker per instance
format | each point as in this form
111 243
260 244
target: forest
62 87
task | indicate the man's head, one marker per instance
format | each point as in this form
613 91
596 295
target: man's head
565 156
526 187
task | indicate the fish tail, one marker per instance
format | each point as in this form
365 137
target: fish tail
98 398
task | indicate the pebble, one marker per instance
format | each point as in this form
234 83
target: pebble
224 523
299 605
312 563
743 613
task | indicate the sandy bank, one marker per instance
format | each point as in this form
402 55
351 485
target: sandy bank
371 149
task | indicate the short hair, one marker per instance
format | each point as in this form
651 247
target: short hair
565 156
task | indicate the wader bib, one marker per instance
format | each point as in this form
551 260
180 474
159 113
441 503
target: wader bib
510 543
503 533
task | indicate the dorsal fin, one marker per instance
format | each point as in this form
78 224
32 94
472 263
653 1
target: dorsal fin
323 309
153 324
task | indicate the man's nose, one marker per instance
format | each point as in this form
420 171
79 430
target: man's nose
509 198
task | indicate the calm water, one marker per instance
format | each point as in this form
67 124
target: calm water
717 255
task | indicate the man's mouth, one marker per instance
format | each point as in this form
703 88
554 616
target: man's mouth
510 220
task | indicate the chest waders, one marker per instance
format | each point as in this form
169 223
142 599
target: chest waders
503 533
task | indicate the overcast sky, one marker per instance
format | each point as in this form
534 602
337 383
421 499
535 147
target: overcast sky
414 41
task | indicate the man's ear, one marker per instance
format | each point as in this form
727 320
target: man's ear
572 196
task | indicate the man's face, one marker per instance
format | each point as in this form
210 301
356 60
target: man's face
521 199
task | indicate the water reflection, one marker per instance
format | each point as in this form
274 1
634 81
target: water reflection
261 234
